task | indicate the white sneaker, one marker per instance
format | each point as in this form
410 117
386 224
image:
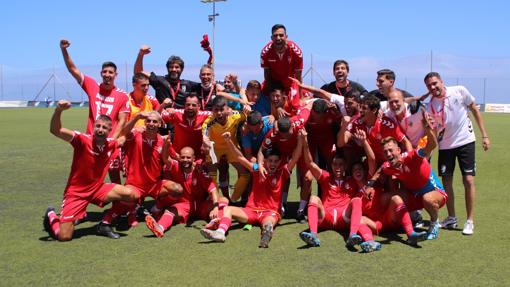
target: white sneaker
449 223
469 228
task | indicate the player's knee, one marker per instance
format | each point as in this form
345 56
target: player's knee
396 200
174 188
468 180
314 200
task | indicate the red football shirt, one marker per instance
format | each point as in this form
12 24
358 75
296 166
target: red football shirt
286 146
337 193
282 66
90 164
104 102
197 185
321 130
267 194
413 173
382 128
144 163
186 132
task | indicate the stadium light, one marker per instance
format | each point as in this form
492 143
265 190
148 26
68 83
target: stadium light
212 18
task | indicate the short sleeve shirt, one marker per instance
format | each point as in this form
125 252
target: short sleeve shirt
104 102
282 66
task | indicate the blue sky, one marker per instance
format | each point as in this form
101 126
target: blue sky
469 39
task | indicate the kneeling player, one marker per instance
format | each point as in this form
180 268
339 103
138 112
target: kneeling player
198 201
91 158
264 202
420 187
145 157
339 207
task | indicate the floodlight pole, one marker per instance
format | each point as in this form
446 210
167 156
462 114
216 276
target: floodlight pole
212 18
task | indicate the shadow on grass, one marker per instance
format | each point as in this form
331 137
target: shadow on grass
81 232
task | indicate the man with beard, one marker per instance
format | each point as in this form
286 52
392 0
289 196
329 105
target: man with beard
385 85
419 185
170 86
104 99
450 107
342 85
91 157
198 201
187 124
375 127
144 153
280 59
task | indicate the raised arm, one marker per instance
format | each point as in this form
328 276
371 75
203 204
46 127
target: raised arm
296 154
479 121
344 135
165 153
314 168
71 67
318 92
128 127
361 137
144 50
238 154
431 135
56 124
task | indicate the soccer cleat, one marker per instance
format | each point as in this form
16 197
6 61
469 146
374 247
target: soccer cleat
106 230
469 228
266 235
433 232
416 237
46 222
310 238
300 216
247 227
353 240
370 246
213 224
450 222
214 235
153 226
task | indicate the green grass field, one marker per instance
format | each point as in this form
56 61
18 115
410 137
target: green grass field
34 166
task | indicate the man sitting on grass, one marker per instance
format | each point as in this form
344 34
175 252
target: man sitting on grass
266 196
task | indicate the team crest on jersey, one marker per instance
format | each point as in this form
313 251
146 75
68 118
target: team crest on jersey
407 169
194 182
183 88
268 141
273 182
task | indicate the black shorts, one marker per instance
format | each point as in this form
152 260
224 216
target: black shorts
465 155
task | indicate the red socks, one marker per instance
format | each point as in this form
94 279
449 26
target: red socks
166 220
402 216
313 217
225 224
365 232
118 208
54 222
355 215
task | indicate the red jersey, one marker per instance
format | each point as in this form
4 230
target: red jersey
197 185
267 194
414 172
322 130
90 164
373 207
337 193
382 128
186 132
286 146
104 102
144 163
282 66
